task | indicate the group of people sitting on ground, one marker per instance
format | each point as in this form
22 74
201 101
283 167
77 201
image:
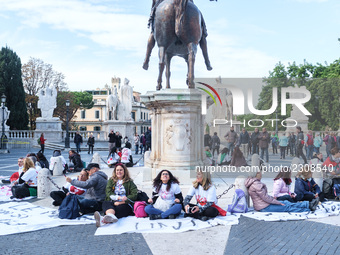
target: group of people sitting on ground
236 159
118 155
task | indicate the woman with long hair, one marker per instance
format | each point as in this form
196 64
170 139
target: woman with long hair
281 188
121 192
205 193
238 158
75 158
167 197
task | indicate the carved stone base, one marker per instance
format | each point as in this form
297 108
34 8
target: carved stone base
51 129
177 131
126 128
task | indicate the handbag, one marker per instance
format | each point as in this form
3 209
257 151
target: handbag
162 204
20 190
110 161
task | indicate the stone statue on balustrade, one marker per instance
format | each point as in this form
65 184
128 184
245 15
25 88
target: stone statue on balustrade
6 117
47 102
126 100
112 105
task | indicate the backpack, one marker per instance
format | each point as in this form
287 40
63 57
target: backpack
336 188
69 208
239 204
327 188
139 209
38 141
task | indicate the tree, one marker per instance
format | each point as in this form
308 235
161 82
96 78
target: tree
11 85
323 82
78 100
37 75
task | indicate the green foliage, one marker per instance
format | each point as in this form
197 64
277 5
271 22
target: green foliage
78 100
11 85
323 81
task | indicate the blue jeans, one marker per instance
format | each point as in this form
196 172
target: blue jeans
175 209
136 150
288 207
255 149
316 149
89 206
231 147
309 152
292 149
78 147
264 150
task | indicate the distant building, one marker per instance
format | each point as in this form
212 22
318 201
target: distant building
94 119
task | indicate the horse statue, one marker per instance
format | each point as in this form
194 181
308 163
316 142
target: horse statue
111 104
178 28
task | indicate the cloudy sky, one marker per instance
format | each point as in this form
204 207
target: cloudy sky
91 41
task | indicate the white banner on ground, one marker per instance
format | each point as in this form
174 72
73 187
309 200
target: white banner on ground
326 209
132 224
6 193
18 217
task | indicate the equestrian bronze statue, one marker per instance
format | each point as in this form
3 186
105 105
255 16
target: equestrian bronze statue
178 28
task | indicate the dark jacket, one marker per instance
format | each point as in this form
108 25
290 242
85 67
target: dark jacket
90 141
304 187
75 159
95 186
292 139
299 138
244 138
207 140
264 140
148 137
130 189
215 142
118 141
255 137
112 138
78 138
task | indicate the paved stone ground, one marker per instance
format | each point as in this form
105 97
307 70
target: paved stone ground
72 240
293 237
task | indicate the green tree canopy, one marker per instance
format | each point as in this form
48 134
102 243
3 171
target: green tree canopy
11 85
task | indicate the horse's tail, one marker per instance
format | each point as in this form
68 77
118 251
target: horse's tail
180 6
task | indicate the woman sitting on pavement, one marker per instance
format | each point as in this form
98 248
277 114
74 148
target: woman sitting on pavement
205 193
76 161
281 188
126 158
42 160
332 163
113 157
224 158
305 187
167 197
58 196
238 158
26 185
266 203
121 192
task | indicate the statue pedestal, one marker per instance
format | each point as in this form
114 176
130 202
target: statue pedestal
51 129
300 118
177 132
125 128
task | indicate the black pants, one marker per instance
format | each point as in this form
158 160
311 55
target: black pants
58 197
42 148
309 197
121 211
90 149
210 212
299 153
216 149
283 151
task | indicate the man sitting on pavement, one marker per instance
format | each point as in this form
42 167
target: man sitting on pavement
95 185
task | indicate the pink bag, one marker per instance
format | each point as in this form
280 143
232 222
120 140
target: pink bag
139 209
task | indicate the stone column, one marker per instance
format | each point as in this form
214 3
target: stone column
44 184
177 131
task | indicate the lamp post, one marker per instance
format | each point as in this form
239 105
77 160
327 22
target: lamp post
67 138
276 130
3 136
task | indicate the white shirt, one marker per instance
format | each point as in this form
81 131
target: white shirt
203 196
168 195
31 177
126 155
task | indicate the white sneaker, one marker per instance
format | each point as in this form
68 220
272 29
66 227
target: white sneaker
99 219
110 218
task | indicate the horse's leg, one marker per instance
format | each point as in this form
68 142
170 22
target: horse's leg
167 69
161 55
151 44
187 61
192 48
204 48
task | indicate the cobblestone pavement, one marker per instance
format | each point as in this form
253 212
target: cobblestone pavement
293 237
78 239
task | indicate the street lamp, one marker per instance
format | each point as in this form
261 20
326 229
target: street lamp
67 138
3 136
276 129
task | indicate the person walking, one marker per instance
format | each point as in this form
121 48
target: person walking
244 140
231 138
42 143
142 143
112 140
148 139
136 140
215 144
309 141
264 140
90 143
78 140
299 144
283 142
292 144
255 141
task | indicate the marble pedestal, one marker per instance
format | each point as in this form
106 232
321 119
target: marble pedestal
177 132
51 129
125 128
